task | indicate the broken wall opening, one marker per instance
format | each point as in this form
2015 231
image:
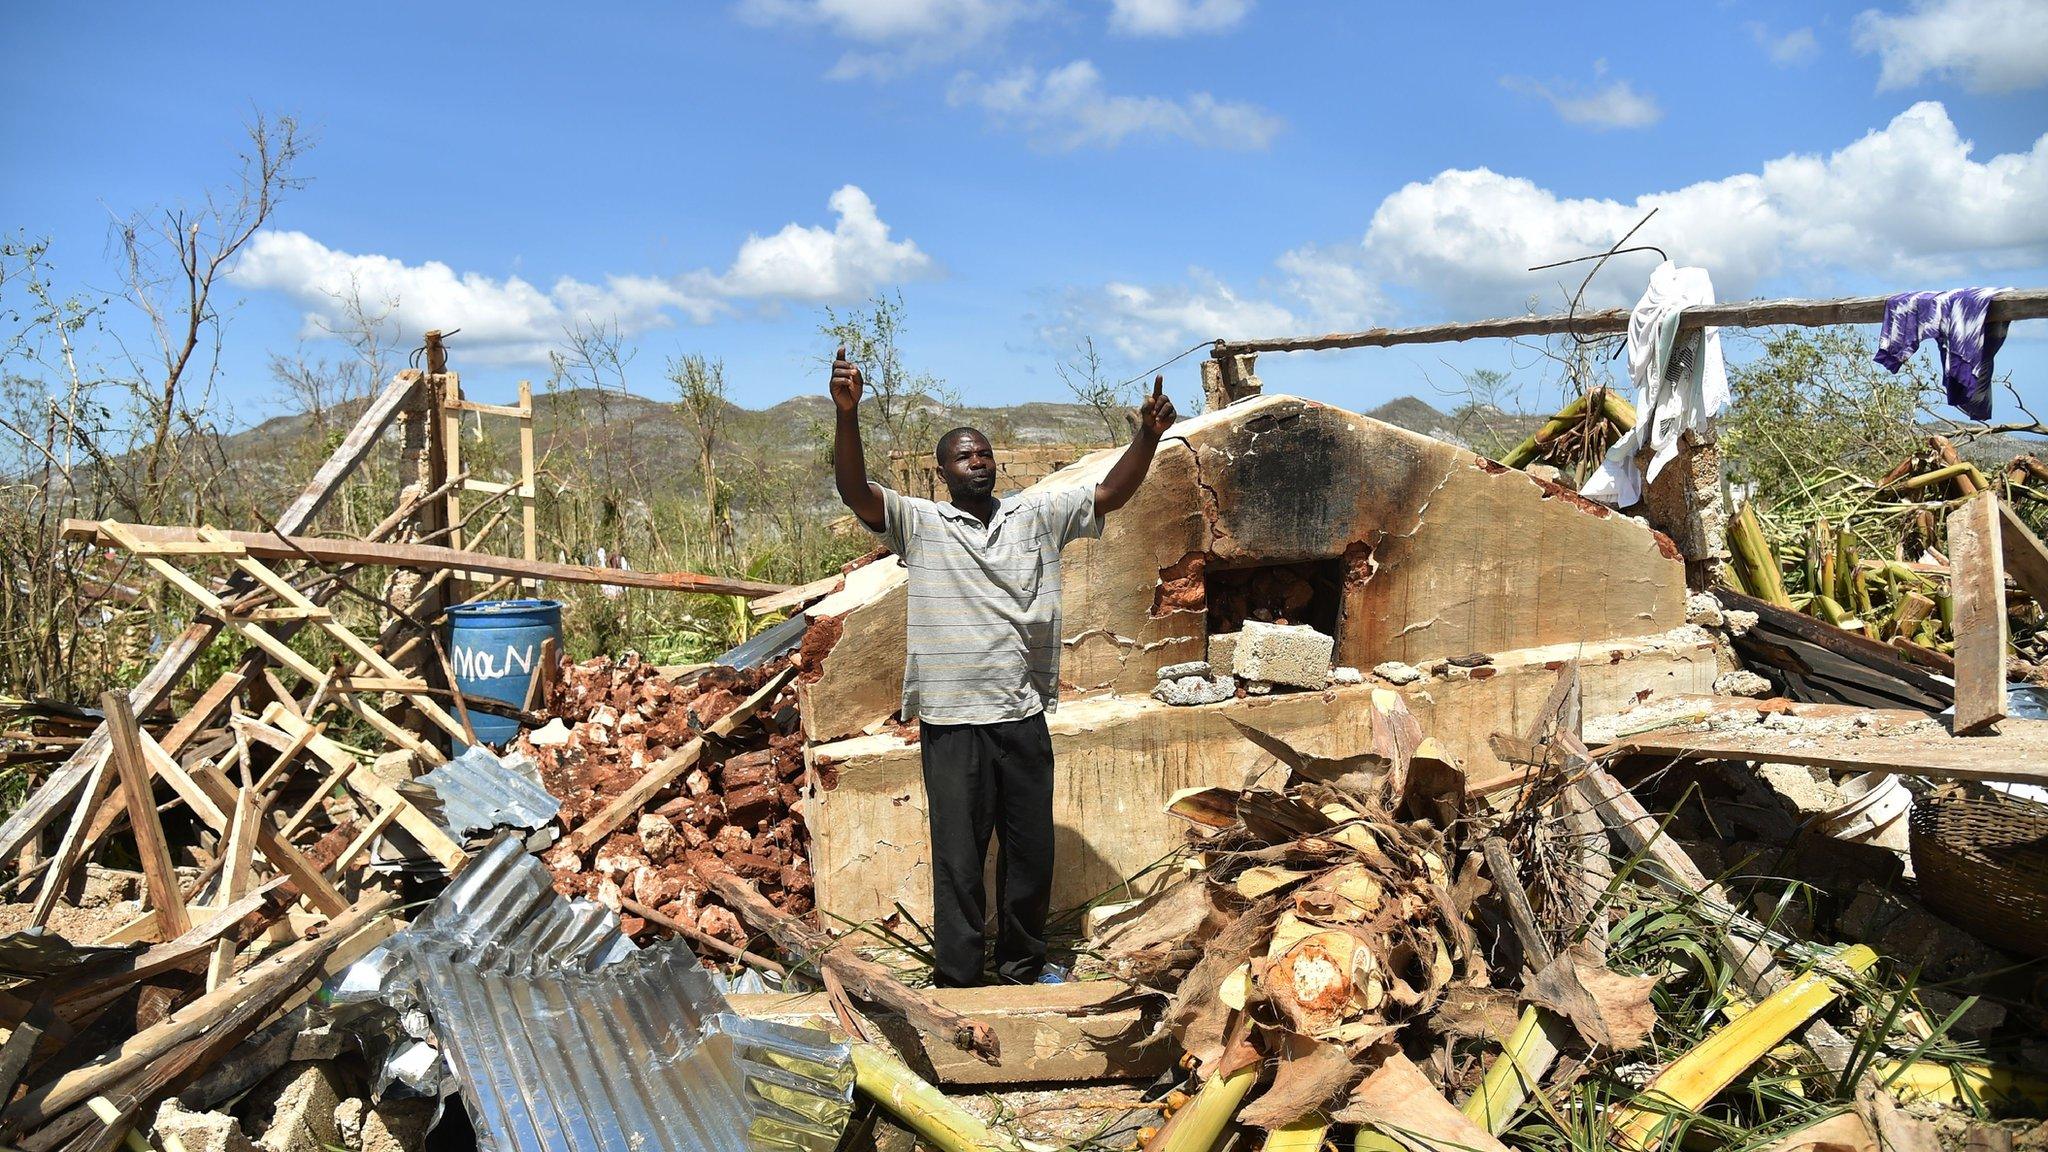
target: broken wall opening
1307 592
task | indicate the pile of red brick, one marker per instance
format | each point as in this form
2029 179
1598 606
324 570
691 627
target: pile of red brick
738 810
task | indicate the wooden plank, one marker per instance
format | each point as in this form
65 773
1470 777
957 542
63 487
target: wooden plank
70 778
798 596
178 953
371 831
267 980
2018 753
158 872
237 875
367 784
499 488
210 702
862 976
1977 583
1849 645
212 797
2025 304
264 546
486 409
2026 559
666 771
70 847
529 530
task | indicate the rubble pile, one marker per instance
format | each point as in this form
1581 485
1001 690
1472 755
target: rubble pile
1392 906
739 811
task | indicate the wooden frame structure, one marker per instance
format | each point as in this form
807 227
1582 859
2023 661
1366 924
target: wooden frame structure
452 407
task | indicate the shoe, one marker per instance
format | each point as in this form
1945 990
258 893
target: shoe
1053 974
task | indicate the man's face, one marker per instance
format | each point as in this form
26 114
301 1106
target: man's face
968 465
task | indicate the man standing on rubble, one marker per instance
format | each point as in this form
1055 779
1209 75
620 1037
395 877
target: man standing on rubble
981 667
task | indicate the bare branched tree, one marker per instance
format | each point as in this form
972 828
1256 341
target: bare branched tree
1113 403
908 408
172 259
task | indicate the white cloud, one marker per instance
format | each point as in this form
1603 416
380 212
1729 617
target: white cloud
1615 105
1985 45
1175 17
513 320
1908 204
901 34
1068 107
1795 47
812 264
1143 322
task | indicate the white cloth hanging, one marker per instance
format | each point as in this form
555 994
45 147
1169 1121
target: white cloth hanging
1681 383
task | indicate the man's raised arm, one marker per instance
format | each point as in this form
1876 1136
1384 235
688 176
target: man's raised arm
1155 416
849 469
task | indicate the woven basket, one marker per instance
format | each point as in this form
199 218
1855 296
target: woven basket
1982 863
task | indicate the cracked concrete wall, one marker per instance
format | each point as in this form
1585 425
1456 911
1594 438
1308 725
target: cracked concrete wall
1120 758
1450 553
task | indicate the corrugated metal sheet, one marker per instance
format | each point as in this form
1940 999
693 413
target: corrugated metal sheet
478 792
772 644
565 1038
636 1057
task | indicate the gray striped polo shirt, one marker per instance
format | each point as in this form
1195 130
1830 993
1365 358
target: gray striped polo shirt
982 642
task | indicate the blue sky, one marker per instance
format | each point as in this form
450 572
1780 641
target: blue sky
1148 173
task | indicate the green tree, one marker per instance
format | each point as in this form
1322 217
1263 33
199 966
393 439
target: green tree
1813 404
905 410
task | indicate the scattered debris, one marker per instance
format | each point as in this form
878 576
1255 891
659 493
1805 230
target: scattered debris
336 923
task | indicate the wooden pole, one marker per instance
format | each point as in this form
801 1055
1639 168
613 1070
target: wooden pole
268 546
2025 304
864 978
155 852
1977 581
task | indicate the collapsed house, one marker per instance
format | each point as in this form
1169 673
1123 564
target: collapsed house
1359 739
1396 548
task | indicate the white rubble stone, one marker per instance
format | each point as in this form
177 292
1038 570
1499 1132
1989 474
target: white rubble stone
1395 672
1190 690
1703 609
657 837
1184 669
1742 683
1258 687
1808 790
553 734
1291 654
1738 621
1343 675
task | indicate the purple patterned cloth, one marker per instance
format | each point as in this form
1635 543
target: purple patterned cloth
1956 320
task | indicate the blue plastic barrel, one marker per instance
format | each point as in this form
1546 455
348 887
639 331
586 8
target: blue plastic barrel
494 648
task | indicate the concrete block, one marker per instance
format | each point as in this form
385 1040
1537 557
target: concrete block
395 1126
302 1117
1184 670
1223 651
1189 690
198 1131
1291 654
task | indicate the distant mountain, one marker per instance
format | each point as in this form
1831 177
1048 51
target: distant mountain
584 434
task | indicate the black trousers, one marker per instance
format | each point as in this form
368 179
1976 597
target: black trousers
978 779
